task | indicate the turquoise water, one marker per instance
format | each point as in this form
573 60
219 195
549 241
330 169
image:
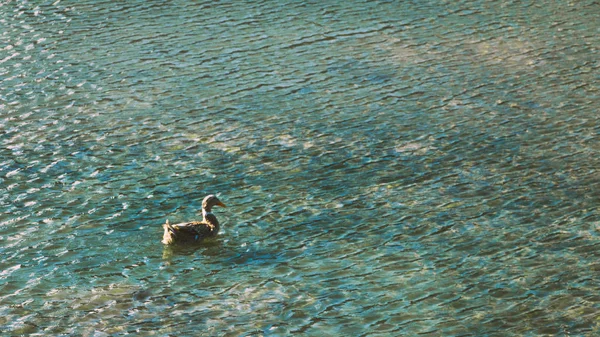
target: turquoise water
390 168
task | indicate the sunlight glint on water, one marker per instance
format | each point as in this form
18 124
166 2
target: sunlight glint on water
390 168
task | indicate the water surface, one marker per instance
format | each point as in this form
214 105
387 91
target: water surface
390 168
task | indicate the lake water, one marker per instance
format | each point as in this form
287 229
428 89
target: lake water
391 168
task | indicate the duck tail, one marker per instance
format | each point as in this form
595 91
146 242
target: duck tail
169 233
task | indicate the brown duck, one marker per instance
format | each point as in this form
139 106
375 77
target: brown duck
189 232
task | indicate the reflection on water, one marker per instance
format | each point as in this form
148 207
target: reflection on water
391 168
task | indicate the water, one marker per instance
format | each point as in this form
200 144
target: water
391 168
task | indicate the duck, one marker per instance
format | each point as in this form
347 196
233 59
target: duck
194 231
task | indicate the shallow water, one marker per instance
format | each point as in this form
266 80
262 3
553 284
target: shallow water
390 168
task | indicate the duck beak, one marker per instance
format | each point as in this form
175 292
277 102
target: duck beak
219 203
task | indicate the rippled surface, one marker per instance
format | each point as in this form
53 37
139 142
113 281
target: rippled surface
391 168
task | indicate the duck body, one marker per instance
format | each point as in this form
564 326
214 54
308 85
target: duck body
194 231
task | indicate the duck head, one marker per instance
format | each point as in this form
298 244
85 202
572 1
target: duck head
210 201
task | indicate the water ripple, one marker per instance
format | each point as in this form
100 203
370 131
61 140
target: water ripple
390 168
